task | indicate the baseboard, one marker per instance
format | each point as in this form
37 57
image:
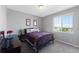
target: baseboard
76 46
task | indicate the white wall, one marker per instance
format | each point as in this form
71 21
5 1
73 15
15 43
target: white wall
3 21
73 38
17 20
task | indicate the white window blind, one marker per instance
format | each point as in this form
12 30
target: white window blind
63 23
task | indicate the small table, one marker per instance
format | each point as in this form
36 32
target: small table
16 48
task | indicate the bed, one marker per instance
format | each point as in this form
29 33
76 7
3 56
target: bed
39 39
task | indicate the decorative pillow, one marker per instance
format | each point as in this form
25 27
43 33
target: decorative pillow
32 30
28 30
36 29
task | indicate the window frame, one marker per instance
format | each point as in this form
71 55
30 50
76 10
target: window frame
71 14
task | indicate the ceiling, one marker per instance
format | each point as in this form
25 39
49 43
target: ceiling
35 10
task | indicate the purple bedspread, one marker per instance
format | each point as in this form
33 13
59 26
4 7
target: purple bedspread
37 35
38 39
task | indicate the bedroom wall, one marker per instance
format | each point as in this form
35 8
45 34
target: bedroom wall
71 38
3 21
17 20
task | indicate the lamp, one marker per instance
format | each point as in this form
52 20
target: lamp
40 6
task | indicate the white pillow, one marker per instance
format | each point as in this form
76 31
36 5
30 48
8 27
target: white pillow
32 30
36 30
28 30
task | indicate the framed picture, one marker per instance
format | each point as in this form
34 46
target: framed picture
28 22
35 22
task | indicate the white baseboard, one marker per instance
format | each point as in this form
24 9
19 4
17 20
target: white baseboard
68 43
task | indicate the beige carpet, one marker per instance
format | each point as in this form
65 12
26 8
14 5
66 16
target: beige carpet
57 47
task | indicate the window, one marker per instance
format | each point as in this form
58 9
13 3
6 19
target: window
63 23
